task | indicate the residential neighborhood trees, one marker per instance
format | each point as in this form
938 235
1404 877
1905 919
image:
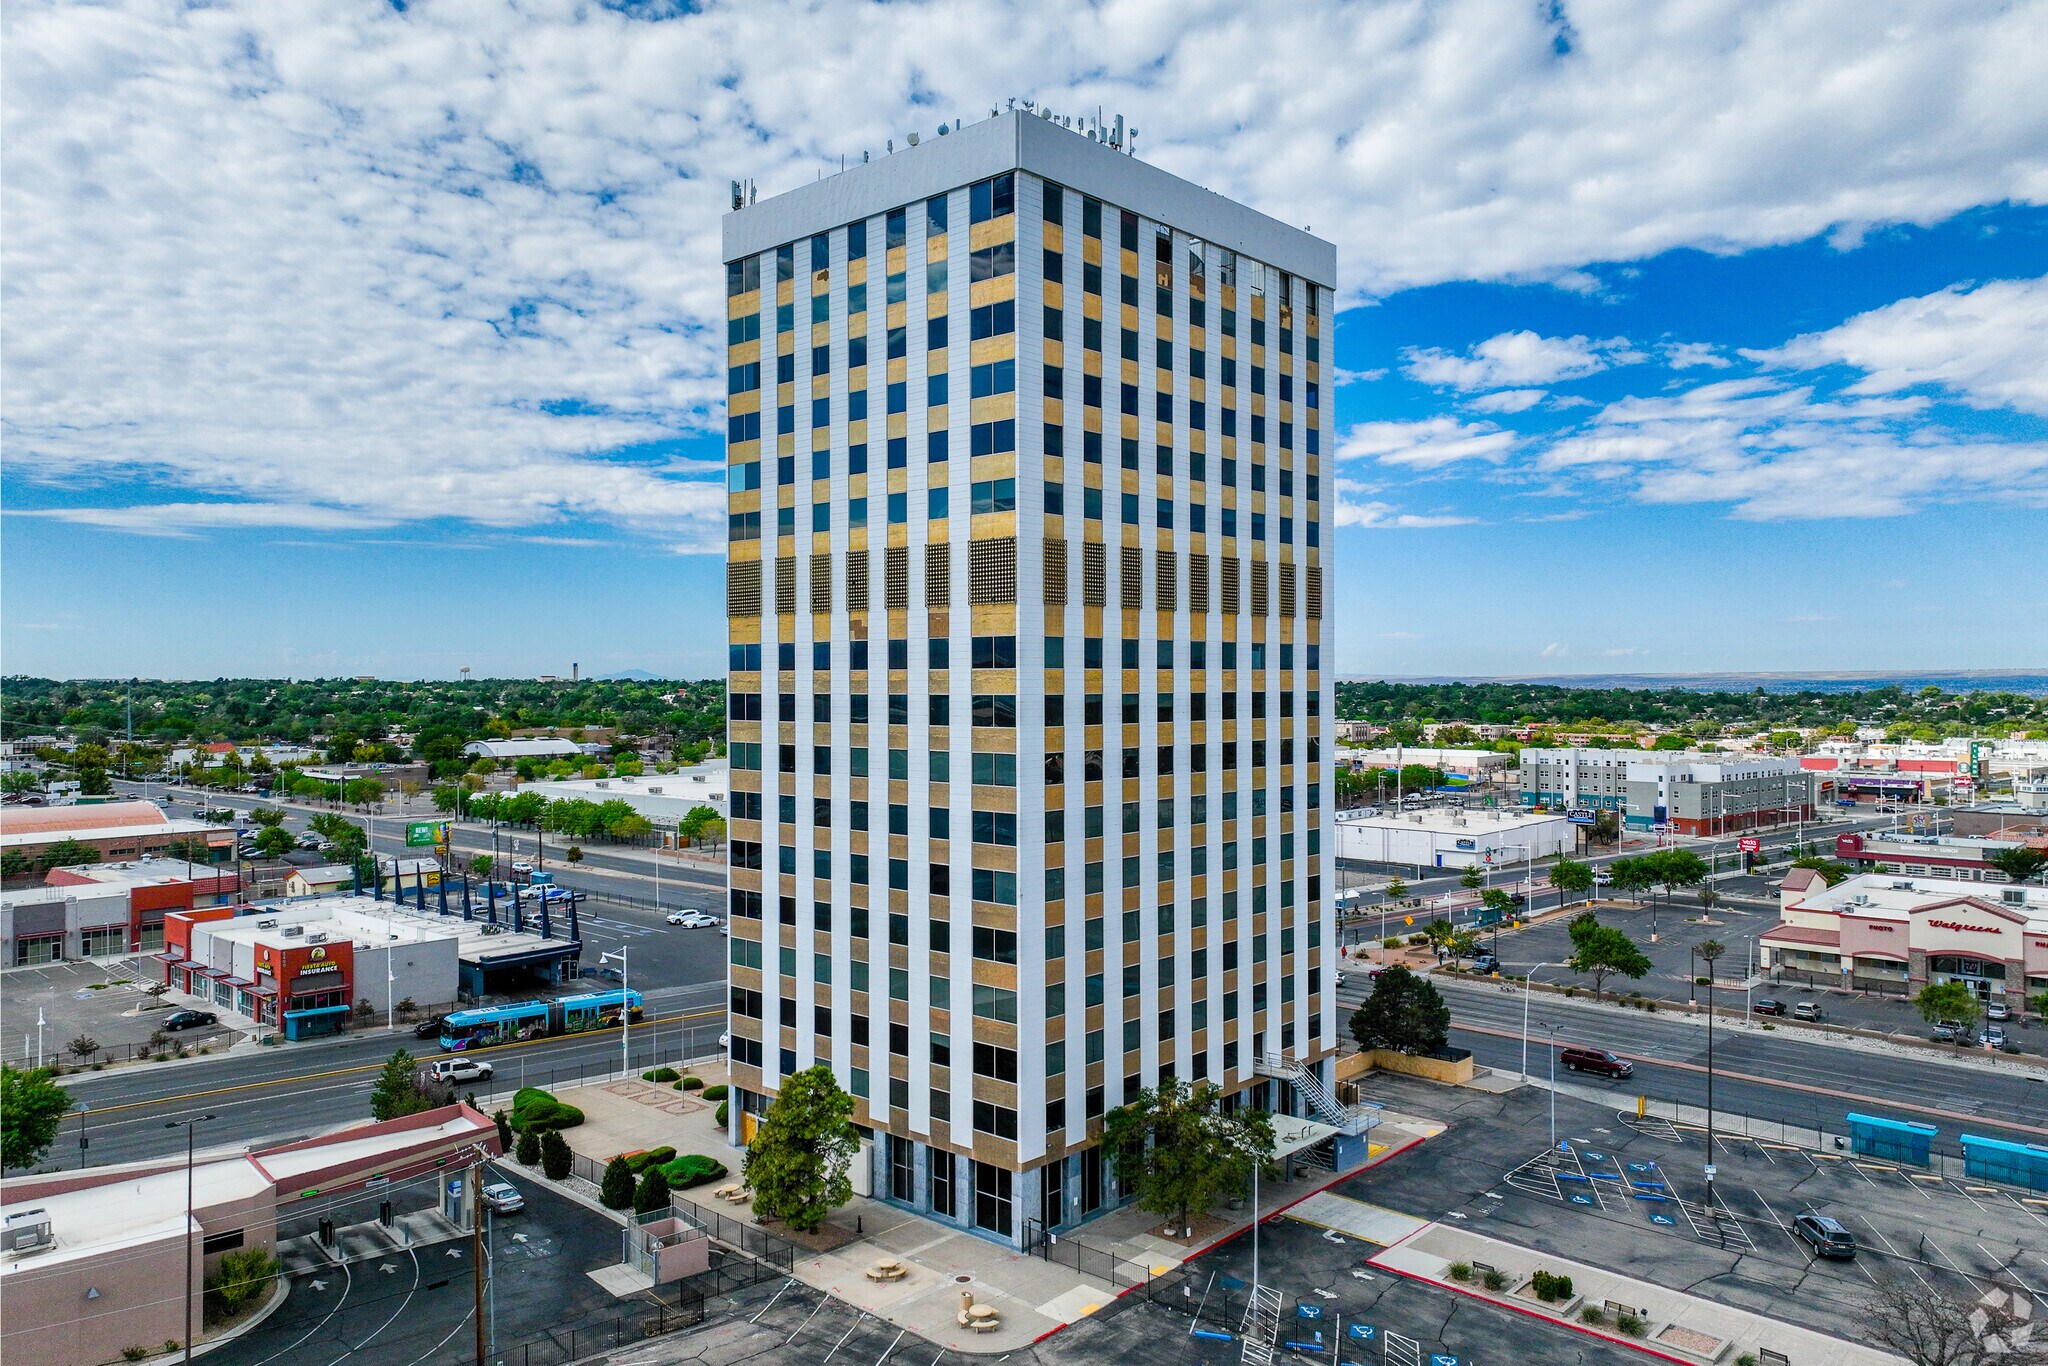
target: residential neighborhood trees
2021 864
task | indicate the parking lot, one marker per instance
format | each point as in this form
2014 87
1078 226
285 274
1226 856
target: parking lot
101 999
1631 1196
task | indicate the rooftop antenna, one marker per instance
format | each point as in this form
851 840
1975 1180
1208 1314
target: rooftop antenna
892 147
942 130
911 138
1131 142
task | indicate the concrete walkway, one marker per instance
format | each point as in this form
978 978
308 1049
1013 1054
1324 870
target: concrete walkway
1676 1326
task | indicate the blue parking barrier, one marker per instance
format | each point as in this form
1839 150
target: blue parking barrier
1658 1186
1652 1197
1212 1335
1314 1344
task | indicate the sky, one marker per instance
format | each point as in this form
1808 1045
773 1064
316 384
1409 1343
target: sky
384 339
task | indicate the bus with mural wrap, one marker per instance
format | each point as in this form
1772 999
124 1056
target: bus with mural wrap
521 1020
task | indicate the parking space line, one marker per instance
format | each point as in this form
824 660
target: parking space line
1893 1248
2007 1267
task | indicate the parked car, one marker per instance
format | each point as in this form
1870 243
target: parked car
1603 878
1948 1031
692 920
429 1028
609 974
1997 1010
309 840
1825 1235
1767 1007
504 1198
1992 1037
1338 979
521 866
190 1019
459 1069
1597 1060
1485 962
1806 1010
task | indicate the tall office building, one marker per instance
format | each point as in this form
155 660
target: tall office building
1028 461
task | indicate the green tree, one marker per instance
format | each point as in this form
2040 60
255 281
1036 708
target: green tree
68 854
16 781
798 1161
1830 871
481 866
1709 898
527 1151
267 817
1396 889
1571 878
505 1136
1606 828
1939 1001
1600 950
1630 875
2038 1002
273 841
14 864
1471 878
653 1193
556 1159
616 1190
574 853
1179 1152
1405 1013
242 1277
32 1105
2020 864
1498 901
362 791
1439 934
397 1090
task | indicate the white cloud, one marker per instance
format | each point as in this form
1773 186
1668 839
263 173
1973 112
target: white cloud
1686 355
1399 635
1988 345
1516 358
1386 517
1344 377
1779 453
1555 650
1507 401
1427 444
459 259
183 519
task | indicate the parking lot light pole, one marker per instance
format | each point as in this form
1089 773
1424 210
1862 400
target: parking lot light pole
188 1125
1551 1032
1711 950
1528 990
625 1008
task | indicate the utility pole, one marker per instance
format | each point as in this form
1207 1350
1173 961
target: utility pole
476 1252
1711 950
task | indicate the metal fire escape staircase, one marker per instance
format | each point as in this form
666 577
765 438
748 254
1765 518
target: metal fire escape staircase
1351 1120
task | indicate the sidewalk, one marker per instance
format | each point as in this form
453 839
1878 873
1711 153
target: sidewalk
1676 1326
1034 1294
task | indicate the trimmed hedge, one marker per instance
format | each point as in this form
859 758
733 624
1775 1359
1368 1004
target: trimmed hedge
723 1106
535 1111
651 1157
693 1083
692 1169
660 1074
717 1092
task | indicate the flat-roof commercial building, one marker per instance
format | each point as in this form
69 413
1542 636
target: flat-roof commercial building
1878 932
300 967
1692 793
104 909
1966 857
663 799
116 830
1029 517
1447 838
93 1259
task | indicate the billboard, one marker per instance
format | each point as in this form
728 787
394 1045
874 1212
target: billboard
1750 845
419 833
1580 815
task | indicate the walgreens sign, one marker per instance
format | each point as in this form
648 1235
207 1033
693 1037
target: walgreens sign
1967 929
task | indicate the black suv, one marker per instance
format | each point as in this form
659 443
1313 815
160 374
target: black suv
190 1019
429 1028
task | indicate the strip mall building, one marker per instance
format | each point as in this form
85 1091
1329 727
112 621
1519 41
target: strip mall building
1878 932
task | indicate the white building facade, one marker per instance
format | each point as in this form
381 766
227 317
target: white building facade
1028 563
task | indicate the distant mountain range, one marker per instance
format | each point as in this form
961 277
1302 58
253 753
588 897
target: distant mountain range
2032 683
631 676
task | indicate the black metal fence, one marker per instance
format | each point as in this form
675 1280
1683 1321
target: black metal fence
645 1319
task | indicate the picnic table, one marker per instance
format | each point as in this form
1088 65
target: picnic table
888 1269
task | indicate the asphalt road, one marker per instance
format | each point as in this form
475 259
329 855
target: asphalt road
277 1094
1768 1075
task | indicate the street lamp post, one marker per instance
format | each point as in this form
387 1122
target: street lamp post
625 1007
1550 1031
1711 950
1528 990
188 1125
84 1141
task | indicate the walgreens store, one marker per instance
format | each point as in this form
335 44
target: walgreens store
1877 932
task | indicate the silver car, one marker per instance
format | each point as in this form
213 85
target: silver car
504 1197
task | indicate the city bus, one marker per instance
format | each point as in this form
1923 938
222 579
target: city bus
489 1025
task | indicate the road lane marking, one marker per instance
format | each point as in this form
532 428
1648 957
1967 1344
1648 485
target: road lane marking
496 1051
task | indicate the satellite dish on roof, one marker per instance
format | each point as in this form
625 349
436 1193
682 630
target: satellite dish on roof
913 139
943 130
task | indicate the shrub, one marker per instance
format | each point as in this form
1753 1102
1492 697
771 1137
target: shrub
556 1161
505 1136
242 1277
653 1192
1631 1324
1461 1271
648 1157
717 1092
1496 1281
172 1345
1593 1313
720 1116
661 1074
536 1111
616 1190
692 1169
1700 981
1746 1359
1550 1288
693 1083
134 1353
1414 939
1392 941
528 1150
